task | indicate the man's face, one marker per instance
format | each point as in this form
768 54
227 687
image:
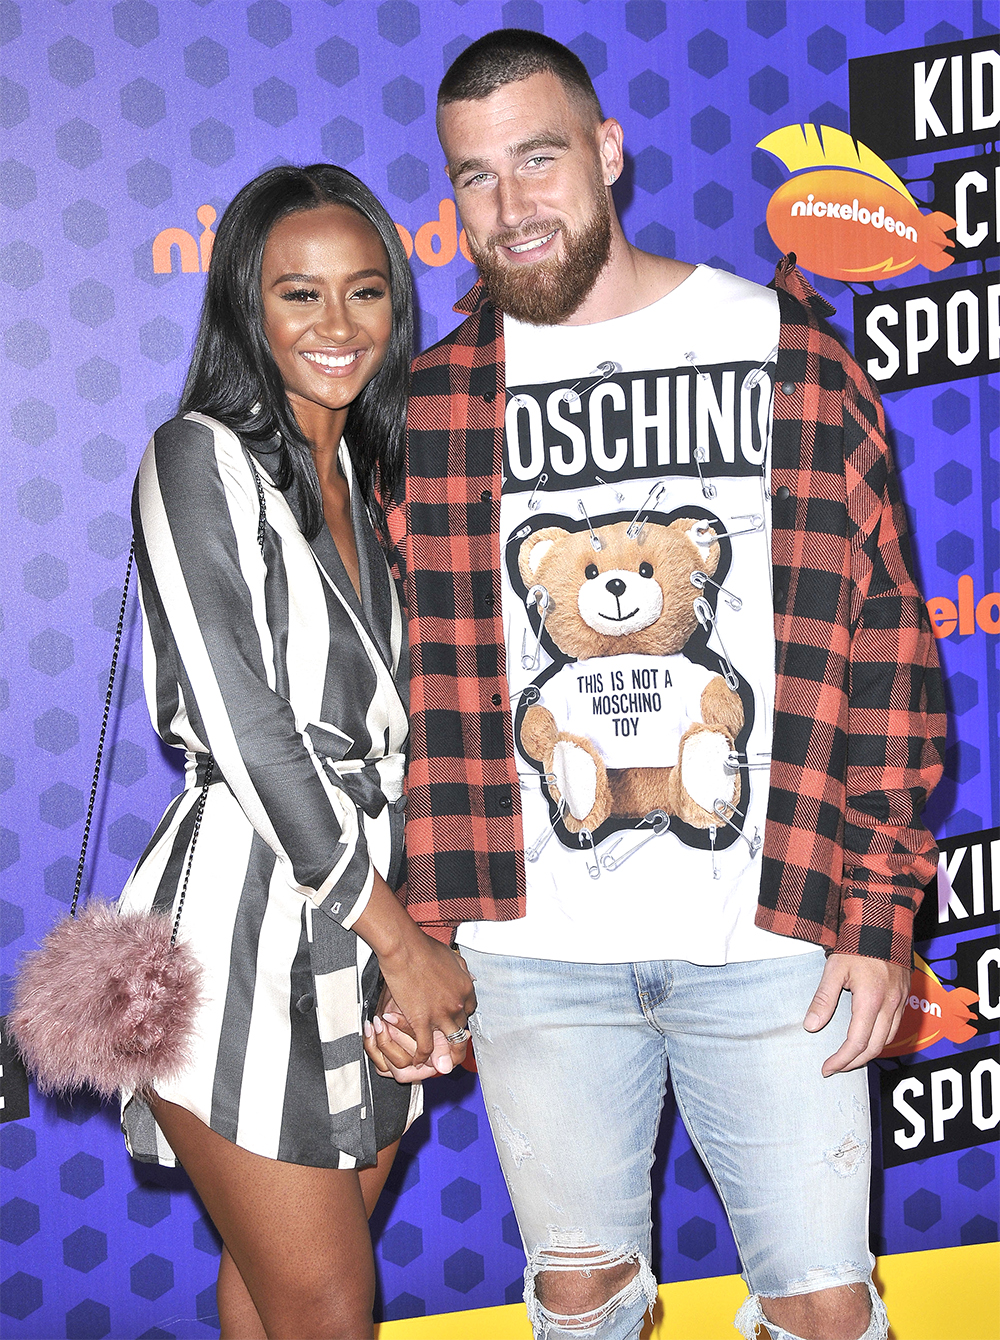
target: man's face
529 181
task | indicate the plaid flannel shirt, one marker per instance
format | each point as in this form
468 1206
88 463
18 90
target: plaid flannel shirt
859 710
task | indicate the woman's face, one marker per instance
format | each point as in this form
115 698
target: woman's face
327 310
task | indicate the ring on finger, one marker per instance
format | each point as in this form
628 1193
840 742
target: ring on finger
460 1035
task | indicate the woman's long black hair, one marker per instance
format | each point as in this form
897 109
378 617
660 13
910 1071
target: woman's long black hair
233 376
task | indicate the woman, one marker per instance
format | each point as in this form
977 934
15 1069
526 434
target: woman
275 658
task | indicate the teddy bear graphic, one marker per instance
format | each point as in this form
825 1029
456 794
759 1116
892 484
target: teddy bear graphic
627 722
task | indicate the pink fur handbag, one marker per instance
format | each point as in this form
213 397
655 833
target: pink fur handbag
109 1000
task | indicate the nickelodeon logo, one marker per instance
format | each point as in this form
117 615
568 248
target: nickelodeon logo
437 242
968 614
194 255
850 218
932 1012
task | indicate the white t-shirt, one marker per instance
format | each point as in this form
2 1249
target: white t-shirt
615 431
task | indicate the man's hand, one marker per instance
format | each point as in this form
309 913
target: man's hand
879 991
391 1046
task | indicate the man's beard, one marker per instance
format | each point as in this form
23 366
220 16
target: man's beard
548 292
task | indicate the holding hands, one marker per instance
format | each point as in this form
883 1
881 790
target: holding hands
391 1042
421 1027
391 1047
391 1039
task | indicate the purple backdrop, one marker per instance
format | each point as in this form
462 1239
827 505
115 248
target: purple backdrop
123 120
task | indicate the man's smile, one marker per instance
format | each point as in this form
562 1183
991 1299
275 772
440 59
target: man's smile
533 244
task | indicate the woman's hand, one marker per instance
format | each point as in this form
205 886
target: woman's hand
390 1046
430 986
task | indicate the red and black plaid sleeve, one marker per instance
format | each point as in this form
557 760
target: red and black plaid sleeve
859 711
464 844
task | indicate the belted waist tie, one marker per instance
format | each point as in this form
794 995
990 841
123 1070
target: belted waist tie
371 783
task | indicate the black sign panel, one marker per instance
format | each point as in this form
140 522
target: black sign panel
930 333
926 99
970 867
13 1080
967 190
978 963
936 1107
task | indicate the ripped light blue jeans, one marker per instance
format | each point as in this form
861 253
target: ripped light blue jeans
574 1059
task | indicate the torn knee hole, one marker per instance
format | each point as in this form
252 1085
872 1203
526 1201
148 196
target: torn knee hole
582 1259
577 1287
826 1297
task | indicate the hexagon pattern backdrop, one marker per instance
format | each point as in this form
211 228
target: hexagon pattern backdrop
127 119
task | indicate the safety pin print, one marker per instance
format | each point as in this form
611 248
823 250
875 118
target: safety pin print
619 496
704 535
690 357
702 579
656 819
652 498
713 833
721 806
595 539
539 597
531 694
533 852
708 489
584 836
609 368
734 762
521 533
755 527
758 373
705 615
534 501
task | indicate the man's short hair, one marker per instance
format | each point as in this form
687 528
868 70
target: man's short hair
509 55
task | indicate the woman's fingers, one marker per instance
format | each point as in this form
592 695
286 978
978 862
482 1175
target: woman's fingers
373 1052
440 1062
412 1074
399 1050
396 1037
403 1071
443 1057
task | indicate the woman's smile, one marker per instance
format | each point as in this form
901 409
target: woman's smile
332 363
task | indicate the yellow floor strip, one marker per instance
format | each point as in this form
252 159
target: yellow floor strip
950 1294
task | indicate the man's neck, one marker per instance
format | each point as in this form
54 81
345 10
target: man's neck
631 279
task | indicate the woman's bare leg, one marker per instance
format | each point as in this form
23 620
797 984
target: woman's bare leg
297 1236
373 1179
236 1308
237 1315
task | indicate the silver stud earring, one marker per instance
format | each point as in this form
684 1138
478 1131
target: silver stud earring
614 178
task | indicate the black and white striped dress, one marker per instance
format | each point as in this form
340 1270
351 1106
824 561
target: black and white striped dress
268 663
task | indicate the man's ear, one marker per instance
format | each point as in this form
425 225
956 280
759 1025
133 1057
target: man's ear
610 142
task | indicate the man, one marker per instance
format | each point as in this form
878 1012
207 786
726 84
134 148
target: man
617 450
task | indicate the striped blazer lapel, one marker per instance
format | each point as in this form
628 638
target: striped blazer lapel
376 591
323 552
